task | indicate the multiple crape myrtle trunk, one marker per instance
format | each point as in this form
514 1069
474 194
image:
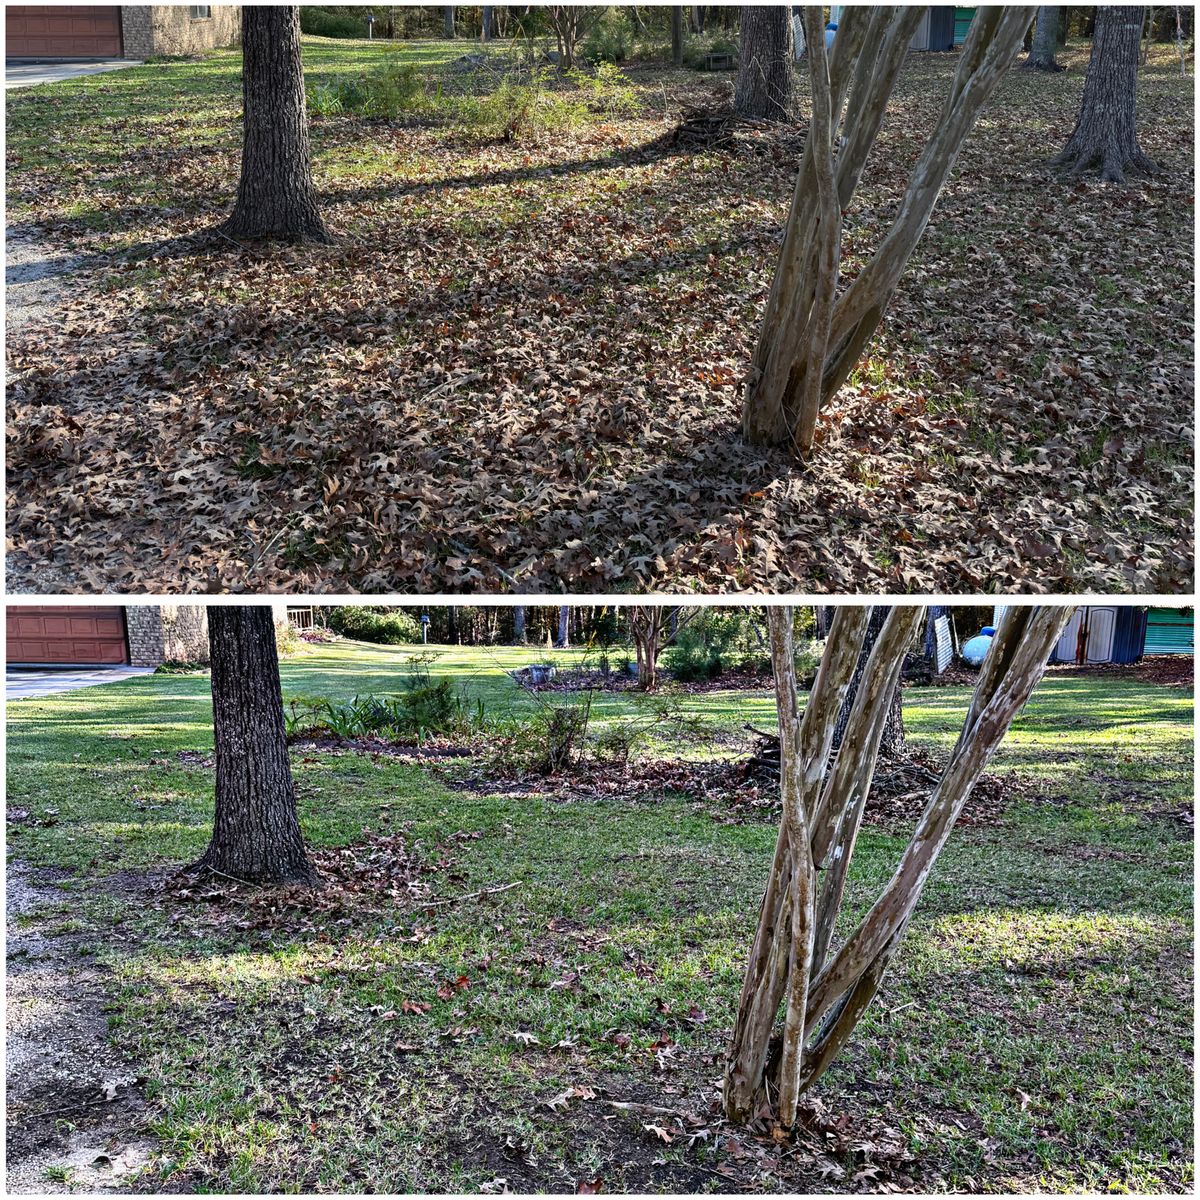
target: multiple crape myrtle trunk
653 627
276 196
1105 135
766 80
256 832
811 335
794 967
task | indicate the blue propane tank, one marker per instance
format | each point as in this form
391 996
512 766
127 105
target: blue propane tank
830 33
975 650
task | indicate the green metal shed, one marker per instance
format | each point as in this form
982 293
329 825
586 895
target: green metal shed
962 22
1169 631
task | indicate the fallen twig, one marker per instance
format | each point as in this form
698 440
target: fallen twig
473 895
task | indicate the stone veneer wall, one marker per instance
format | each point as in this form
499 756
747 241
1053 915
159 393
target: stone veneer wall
144 630
150 29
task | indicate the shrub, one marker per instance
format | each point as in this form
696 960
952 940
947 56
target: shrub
607 91
548 742
520 110
379 94
333 22
609 39
372 624
424 708
715 641
287 638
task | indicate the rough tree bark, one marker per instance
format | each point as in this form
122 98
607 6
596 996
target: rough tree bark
766 79
1045 41
677 35
824 991
891 744
519 624
564 626
811 336
485 23
448 18
1105 134
256 832
276 196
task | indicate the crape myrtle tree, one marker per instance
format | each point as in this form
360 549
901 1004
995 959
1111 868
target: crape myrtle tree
766 79
276 196
256 831
1045 41
1105 135
652 628
891 744
811 335
823 990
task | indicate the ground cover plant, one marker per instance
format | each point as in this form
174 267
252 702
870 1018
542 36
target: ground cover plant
522 362
536 990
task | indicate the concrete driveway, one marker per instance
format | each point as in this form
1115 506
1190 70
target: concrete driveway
29 74
32 682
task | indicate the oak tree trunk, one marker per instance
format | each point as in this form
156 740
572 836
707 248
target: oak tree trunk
564 626
677 35
448 18
519 624
1105 135
813 333
256 831
824 990
766 79
1045 41
276 196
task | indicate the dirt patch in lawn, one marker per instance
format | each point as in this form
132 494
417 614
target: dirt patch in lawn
76 1111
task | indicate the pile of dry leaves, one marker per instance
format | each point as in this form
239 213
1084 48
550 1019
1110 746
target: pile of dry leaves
531 378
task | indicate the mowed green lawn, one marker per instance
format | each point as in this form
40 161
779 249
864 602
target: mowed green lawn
1035 1033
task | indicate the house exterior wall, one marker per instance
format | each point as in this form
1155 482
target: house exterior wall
168 29
185 633
144 631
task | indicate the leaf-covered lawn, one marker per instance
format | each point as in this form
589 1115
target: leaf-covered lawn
521 365
1035 1034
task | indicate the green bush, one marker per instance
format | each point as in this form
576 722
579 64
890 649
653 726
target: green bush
341 21
607 91
609 40
287 638
381 94
717 640
522 110
372 624
424 708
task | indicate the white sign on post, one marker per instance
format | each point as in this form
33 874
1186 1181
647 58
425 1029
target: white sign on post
943 647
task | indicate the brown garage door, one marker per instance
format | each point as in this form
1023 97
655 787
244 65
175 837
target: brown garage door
75 635
62 31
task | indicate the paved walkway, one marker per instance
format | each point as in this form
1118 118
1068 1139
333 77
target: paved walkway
32 682
29 74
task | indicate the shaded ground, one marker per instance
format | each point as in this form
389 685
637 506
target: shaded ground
487 974
76 1113
521 366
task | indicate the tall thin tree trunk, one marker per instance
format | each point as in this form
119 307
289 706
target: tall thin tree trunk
677 35
1045 41
519 624
256 831
485 34
1105 135
564 625
448 18
766 79
276 195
